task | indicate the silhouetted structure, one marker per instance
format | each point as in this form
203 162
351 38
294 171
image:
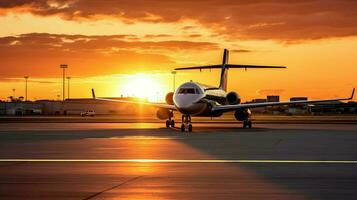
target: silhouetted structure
273 98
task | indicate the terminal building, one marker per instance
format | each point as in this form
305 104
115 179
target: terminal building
298 108
77 106
336 107
273 98
69 107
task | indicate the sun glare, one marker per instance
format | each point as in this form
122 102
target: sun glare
143 86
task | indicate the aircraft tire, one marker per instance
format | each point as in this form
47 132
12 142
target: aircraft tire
182 127
250 124
167 124
172 123
190 128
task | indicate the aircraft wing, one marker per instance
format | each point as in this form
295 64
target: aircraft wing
158 105
227 108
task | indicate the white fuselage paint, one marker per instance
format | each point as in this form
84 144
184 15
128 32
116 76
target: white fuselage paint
197 99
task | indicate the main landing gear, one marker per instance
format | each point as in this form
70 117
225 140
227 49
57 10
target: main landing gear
247 123
170 123
186 123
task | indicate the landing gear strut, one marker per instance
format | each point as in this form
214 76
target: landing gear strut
247 123
170 123
186 123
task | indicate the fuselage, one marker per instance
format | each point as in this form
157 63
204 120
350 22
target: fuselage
197 99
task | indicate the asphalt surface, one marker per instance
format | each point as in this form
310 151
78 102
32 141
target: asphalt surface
148 118
146 161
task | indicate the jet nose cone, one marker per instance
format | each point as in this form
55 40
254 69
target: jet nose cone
187 103
182 102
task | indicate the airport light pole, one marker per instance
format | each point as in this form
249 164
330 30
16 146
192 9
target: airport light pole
64 67
68 79
26 78
174 81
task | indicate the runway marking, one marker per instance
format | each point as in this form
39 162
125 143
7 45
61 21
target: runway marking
178 161
12 164
141 138
112 188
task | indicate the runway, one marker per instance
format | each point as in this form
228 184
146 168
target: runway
147 161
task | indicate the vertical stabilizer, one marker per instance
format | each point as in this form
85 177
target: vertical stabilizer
224 71
93 94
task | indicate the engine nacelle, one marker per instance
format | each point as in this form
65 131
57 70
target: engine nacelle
170 98
163 114
242 114
233 98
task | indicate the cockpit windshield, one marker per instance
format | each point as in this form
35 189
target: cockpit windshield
187 91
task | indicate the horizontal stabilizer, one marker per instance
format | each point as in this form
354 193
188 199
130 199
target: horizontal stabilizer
229 66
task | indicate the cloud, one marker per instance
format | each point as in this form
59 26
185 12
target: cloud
158 36
267 92
240 51
195 35
95 43
251 19
39 54
30 80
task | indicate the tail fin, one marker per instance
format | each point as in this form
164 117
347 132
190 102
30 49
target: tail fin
93 94
224 71
225 56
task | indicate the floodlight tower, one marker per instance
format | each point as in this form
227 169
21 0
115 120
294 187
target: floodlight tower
68 79
26 78
64 67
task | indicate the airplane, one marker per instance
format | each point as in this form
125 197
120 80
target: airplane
196 99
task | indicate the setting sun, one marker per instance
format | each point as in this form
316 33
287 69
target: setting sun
143 86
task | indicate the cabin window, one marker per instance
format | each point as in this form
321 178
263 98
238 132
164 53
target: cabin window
187 91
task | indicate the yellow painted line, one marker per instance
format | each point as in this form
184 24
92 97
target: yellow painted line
178 161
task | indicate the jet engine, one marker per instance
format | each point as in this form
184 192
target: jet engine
170 98
242 114
233 98
163 114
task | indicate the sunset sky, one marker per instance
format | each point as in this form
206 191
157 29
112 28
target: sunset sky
117 46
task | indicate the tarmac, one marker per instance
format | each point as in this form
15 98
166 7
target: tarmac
147 161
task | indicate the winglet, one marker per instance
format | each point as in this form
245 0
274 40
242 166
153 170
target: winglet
353 93
93 94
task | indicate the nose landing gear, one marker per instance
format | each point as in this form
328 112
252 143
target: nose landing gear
186 123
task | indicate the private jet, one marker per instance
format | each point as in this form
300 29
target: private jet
196 99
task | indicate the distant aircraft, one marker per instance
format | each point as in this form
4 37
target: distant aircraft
196 99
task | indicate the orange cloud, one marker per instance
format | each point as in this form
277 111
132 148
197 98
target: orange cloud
40 54
252 19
